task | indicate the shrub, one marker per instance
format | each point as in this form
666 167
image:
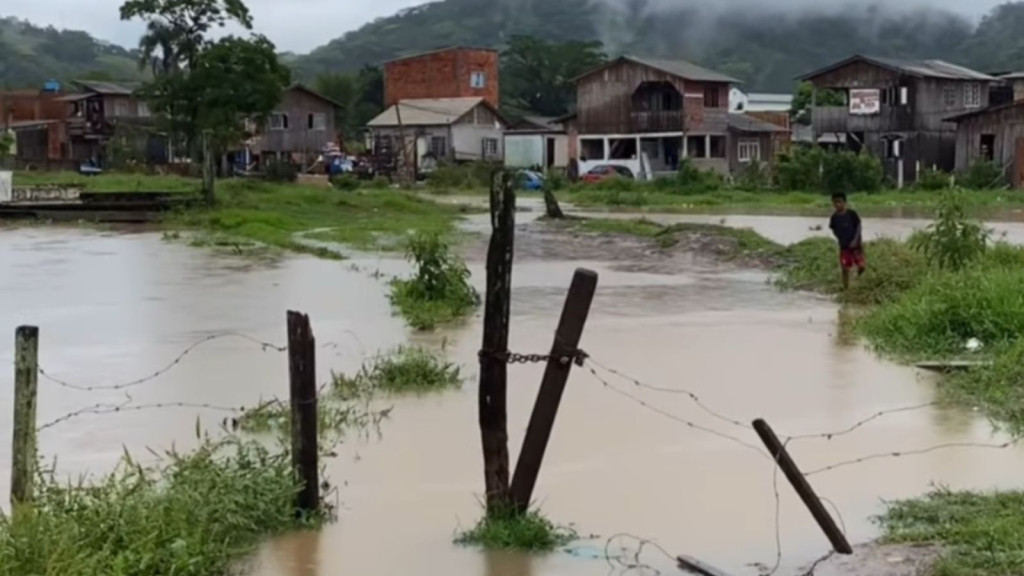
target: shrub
556 180
953 241
440 290
507 530
281 171
982 175
811 168
754 177
932 179
468 175
345 182
692 180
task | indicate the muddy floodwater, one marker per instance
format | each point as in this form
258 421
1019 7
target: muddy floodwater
116 306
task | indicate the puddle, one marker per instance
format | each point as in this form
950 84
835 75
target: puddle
113 308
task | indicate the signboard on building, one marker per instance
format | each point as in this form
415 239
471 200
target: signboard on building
865 102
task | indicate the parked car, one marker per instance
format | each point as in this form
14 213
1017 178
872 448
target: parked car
606 171
531 180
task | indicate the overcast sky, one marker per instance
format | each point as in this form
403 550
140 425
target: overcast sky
301 25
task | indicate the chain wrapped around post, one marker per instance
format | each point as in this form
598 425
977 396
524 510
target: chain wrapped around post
577 357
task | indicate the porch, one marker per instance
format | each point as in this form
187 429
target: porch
650 156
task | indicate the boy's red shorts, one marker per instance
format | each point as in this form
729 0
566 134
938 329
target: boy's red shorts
852 258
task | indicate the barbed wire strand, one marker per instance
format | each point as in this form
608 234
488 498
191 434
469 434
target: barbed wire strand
778 515
635 563
814 566
674 417
903 453
177 360
693 396
105 408
862 423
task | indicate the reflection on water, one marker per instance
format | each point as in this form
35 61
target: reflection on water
111 308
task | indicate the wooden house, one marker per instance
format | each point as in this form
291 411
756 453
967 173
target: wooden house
420 133
107 119
299 129
647 115
994 134
898 110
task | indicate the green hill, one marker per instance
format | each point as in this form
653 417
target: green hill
30 55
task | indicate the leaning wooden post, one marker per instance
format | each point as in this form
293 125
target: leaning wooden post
802 487
302 385
493 353
564 352
23 450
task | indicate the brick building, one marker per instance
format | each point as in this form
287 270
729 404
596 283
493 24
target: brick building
457 72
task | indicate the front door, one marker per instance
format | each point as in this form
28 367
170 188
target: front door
550 163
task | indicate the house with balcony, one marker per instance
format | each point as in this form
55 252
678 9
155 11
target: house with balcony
898 110
109 123
647 115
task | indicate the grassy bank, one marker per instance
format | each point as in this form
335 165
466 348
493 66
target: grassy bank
274 214
197 514
110 182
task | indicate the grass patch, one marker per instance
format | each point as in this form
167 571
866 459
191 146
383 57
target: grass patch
110 182
720 241
406 369
439 292
274 214
197 514
505 530
981 532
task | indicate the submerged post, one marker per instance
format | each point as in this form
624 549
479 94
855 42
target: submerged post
302 388
23 449
564 352
802 487
493 414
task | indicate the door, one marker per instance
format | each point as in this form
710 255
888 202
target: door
1018 164
550 155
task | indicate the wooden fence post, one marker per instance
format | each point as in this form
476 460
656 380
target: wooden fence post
302 388
26 380
564 352
802 487
493 414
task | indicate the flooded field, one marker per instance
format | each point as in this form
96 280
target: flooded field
113 307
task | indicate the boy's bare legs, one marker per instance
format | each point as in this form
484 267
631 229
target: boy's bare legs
846 278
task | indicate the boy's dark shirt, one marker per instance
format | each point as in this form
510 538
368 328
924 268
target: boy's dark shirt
845 226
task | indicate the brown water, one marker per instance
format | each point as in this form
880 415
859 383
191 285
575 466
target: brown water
114 307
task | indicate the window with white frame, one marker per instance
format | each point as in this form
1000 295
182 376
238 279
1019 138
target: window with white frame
278 121
749 151
121 109
317 121
490 148
144 110
478 80
972 95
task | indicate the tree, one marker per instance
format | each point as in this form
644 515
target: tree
805 93
361 96
537 75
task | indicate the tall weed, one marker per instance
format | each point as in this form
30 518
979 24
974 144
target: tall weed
440 291
953 241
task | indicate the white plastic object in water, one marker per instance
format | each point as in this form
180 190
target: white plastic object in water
6 186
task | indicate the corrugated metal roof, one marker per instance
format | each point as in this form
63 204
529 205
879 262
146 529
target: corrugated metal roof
685 70
921 68
427 112
745 123
1012 76
106 87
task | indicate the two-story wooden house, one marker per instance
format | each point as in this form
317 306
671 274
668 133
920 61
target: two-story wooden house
898 110
106 119
299 129
647 115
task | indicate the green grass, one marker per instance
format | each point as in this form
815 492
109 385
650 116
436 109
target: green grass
112 182
981 533
197 514
505 530
404 370
273 214
892 202
725 242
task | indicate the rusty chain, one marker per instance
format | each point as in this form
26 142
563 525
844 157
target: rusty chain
576 357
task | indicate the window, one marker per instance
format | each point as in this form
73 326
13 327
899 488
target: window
696 146
988 147
490 148
591 149
622 148
121 108
972 95
717 147
949 97
439 146
317 121
143 110
278 121
749 151
904 95
711 97
478 80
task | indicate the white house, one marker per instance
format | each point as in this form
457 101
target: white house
536 141
432 130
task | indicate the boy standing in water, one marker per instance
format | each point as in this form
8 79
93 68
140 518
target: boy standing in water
845 225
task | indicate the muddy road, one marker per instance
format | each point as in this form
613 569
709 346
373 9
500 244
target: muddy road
113 307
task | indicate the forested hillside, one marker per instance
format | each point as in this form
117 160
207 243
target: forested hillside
30 55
